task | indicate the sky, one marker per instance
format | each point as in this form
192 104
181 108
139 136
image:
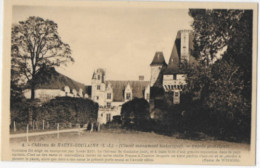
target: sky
121 40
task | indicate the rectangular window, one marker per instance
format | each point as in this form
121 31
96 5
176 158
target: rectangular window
108 104
97 97
98 87
109 96
128 96
108 116
147 96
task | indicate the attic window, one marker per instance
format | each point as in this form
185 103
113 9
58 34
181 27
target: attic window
128 96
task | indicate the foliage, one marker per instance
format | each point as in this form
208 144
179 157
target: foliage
240 50
63 110
225 101
216 31
213 31
68 110
16 77
36 42
19 113
135 114
221 90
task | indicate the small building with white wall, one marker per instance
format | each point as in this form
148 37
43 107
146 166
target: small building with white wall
51 84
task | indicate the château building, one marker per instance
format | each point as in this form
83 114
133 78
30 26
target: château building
111 95
170 76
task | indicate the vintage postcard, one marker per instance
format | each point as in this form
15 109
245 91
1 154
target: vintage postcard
129 82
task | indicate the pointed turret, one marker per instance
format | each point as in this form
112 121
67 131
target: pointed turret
157 65
158 59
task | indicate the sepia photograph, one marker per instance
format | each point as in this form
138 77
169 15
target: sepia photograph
130 82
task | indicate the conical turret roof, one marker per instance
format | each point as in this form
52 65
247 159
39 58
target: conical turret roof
158 59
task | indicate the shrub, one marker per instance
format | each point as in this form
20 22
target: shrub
135 114
67 111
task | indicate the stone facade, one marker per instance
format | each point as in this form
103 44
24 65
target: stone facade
174 80
110 95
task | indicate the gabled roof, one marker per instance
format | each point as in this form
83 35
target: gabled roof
118 87
158 59
49 78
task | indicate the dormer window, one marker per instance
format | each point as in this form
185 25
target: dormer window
128 96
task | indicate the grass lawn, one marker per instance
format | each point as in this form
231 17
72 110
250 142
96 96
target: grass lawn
138 147
119 136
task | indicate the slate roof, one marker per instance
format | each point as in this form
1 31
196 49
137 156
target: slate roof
88 89
158 59
49 78
118 87
174 61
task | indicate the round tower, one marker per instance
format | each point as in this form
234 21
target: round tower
156 66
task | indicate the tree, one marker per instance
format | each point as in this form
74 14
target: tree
223 42
240 50
213 31
16 83
136 113
230 31
38 44
228 109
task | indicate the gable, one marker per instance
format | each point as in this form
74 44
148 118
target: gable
118 87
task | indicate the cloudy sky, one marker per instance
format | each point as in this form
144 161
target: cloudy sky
122 40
